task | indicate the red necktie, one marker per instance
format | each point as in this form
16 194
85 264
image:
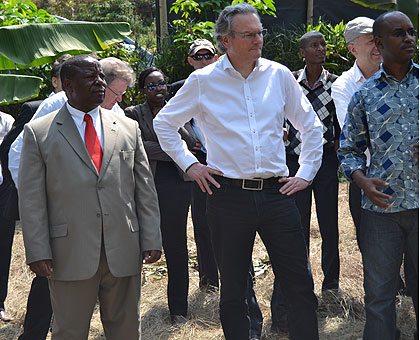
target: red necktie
93 145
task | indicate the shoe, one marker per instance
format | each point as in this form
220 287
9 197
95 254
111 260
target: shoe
4 316
333 295
178 320
279 327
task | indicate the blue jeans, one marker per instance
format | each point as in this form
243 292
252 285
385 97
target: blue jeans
235 216
383 237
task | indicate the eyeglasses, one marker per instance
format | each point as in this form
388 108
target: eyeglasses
116 93
206 56
251 35
153 86
400 33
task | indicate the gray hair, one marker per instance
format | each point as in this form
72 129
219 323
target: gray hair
115 68
224 22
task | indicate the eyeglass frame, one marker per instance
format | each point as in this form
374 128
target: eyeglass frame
153 86
251 35
199 57
115 93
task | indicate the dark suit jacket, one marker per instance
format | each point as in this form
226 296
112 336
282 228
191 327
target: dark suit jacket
143 115
28 109
175 87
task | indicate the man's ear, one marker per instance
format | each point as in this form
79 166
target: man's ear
67 86
378 43
226 41
302 52
189 61
352 49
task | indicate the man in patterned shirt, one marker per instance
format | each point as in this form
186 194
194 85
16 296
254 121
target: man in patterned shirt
383 116
316 84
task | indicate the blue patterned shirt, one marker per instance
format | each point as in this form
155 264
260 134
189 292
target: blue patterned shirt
383 116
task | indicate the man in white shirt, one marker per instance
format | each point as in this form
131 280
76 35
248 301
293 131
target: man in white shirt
118 75
359 38
240 103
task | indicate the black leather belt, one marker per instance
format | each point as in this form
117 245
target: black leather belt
257 184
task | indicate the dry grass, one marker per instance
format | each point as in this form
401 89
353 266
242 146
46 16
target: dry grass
336 322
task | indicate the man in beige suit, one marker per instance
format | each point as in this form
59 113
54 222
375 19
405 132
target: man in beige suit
89 211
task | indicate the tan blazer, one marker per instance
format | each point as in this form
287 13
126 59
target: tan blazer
67 208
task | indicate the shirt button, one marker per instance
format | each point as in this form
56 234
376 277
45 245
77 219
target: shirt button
256 148
98 215
247 97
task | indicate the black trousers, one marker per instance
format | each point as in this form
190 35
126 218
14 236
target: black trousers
235 216
7 232
174 200
38 311
325 189
355 205
207 267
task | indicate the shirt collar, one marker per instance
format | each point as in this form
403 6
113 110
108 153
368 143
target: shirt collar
78 115
382 72
357 73
227 65
322 77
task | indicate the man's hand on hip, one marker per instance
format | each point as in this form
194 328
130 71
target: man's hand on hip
202 175
151 256
368 185
293 185
42 268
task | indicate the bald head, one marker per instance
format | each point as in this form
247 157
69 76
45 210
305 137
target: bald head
306 38
384 22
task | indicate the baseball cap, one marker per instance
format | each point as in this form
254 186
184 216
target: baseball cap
357 27
201 44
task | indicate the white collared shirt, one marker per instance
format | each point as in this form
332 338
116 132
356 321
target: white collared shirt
343 89
50 104
6 123
78 117
242 120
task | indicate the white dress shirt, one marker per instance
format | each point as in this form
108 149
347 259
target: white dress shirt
78 118
242 120
51 104
343 89
6 123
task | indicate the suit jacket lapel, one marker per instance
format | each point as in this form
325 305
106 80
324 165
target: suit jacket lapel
110 129
69 131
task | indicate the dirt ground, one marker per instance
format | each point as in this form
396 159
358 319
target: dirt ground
343 321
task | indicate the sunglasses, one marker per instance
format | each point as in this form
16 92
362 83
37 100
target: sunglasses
206 56
153 86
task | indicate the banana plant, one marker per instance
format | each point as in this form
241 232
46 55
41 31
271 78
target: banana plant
409 7
28 45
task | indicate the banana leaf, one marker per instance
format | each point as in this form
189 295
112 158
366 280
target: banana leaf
30 45
16 88
409 7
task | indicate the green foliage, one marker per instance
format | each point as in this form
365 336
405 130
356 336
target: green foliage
283 47
197 21
16 12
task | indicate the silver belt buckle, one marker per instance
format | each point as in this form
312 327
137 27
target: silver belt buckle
260 182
